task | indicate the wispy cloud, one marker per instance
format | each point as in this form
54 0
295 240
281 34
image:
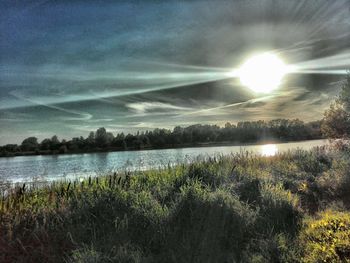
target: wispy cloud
139 64
144 107
83 115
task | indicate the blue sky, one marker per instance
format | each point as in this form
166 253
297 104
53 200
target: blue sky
69 67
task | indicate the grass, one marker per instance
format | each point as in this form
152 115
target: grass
293 207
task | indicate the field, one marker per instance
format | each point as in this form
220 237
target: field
293 207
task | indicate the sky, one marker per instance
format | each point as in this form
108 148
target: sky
70 67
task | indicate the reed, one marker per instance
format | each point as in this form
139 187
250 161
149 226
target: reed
238 208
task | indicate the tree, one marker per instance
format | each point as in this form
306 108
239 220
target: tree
90 140
101 137
45 144
55 143
62 149
344 96
30 144
336 121
10 148
119 141
110 138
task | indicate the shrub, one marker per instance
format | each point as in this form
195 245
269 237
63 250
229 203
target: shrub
275 248
122 254
114 217
335 183
87 255
207 226
210 173
278 210
242 208
327 238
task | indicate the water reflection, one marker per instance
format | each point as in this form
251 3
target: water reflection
25 168
269 149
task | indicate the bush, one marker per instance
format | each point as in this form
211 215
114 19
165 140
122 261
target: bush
207 226
87 255
242 208
327 238
335 183
124 254
210 173
112 218
278 210
274 248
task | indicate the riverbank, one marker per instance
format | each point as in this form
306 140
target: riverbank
279 130
293 207
70 166
118 149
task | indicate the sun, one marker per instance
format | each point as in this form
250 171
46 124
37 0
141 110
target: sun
262 73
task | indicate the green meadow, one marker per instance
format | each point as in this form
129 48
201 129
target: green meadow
292 207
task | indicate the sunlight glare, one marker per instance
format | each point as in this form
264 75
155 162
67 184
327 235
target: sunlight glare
269 150
262 73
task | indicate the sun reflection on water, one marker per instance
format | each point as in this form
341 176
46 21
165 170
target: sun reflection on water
269 149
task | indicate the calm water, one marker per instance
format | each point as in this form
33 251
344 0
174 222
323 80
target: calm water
49 167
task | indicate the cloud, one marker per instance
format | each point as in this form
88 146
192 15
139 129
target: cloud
138 64
145 107
83 115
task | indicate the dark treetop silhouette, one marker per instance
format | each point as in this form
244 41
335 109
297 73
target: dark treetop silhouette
194 135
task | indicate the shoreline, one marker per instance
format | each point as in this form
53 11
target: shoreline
227 198
199 145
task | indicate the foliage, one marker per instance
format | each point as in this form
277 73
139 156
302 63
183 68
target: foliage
207 226
124 254
336 121
278 210
30 144
327 238
239 208
101 140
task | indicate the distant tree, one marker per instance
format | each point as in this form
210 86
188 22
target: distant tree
55 140
11 148
77 143
110 138
62 149
55 143
177 135
45 144
90 140
336 121
73 145
130 139
119 141
101 137
30 144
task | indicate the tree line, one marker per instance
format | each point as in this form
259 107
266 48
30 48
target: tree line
194 135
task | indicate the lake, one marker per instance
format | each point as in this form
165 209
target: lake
53 167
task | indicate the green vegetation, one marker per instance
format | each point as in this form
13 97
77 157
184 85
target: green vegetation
336 121
327 238
194 135
293 207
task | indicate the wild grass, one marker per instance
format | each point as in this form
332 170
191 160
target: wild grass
238 208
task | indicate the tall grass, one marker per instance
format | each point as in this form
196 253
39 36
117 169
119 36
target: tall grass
239 208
